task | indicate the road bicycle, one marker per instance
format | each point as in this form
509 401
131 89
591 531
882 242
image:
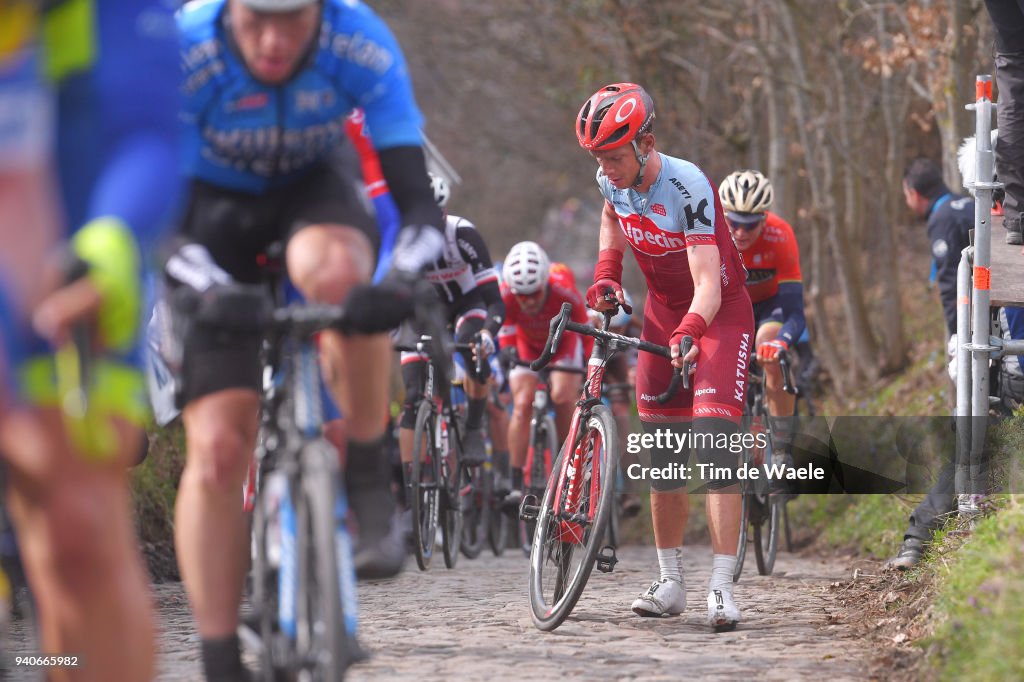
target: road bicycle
763 514
572 516
441 486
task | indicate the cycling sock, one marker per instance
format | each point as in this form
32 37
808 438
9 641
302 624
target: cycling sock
475 413
366 459
671 563
722 568
222 659
501 461
517 478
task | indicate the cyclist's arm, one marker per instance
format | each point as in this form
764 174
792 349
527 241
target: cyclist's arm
611 236
705 266
474 251
509 330
791 292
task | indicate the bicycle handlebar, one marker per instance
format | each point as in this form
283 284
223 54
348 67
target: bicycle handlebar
562 322
787 376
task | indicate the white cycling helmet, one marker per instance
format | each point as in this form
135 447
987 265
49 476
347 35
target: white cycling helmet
278 5
747 193
526 268
441 191
622 318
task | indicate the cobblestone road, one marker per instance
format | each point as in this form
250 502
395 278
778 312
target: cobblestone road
473 623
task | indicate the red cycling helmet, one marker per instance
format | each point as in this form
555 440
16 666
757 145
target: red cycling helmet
614 116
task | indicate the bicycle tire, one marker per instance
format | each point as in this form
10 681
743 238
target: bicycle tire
321 635
741 544
476 524
766 536
423 487
263 588
549 539
545 448
498 530
450 466
786 528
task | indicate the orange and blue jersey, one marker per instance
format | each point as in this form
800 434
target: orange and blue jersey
774 281
529 332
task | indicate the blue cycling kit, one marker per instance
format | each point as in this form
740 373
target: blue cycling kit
245 135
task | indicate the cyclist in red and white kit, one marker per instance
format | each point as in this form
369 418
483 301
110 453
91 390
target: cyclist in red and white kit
667 211
534 290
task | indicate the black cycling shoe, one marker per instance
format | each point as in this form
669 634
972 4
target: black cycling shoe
474 452
909 555
379 550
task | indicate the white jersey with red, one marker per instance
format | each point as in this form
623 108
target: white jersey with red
682 209
529 333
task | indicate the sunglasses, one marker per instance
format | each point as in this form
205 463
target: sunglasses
746 227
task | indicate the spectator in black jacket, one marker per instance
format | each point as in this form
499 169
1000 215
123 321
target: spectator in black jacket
950 219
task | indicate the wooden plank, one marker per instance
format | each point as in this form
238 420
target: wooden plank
1007 269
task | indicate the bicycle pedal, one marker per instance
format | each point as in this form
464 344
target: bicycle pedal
606 559
529 509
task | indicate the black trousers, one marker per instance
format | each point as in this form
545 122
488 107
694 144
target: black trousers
1008 19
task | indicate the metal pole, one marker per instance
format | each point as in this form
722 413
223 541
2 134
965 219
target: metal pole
963 373
980 328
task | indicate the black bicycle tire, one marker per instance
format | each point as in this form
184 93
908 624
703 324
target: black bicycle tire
451 505
544 618
316 507
423 502
741 543
476 528
766 538
786 528
263 590
498 531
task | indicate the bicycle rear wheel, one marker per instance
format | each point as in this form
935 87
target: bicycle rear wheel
423 486
746 493
322 644
572 520
476 521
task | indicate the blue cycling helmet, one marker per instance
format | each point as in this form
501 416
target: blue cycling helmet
622 318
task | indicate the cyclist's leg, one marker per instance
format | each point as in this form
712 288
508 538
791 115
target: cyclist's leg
467 325
523 384
780 404
332 249
414 372
720 393
498 423
670 506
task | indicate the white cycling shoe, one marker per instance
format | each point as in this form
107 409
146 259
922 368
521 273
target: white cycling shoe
665 597
723 614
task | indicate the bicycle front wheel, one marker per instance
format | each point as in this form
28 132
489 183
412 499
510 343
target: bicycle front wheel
451 508
538 470
322 645
423 487
572 520
766 534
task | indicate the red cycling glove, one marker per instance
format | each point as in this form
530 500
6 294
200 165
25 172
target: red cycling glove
693 325
607 276
769 350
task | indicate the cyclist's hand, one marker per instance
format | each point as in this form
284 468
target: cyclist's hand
416 248
191 265
690 357
769 350
111 291
597 291
486 345
509 356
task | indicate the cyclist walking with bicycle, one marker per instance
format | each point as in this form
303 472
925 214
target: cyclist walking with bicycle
268 85
534 290
668 212
772 259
